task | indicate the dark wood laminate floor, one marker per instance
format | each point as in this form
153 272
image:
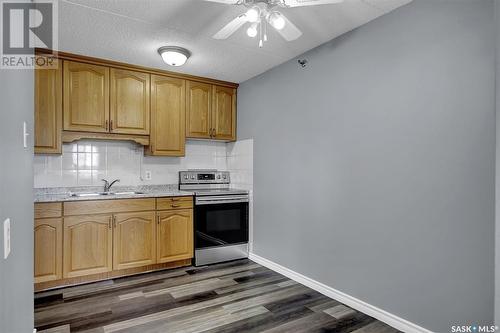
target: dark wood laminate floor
239 296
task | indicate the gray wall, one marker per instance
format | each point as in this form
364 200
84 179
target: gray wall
16 201
374 167
497 215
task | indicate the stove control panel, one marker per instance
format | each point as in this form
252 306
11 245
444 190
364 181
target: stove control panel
204 177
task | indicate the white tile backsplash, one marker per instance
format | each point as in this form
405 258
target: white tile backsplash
86 162
239 159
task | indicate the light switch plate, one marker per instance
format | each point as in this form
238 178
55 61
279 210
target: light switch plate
6 238
25 135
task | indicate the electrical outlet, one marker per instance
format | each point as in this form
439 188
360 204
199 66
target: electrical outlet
6 238
148 175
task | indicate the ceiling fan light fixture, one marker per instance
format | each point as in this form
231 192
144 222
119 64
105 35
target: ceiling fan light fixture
276 20
174 55
252 30
253 14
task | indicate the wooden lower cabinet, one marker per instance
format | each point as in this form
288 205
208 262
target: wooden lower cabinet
175 235
48 249
88 245
134 240
83 241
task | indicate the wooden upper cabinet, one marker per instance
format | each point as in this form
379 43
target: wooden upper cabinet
168 116
86 97
224 113
129 102
48 110
48 254
198 110
88 245
134 240
175 235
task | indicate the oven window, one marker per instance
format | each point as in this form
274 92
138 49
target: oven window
221 224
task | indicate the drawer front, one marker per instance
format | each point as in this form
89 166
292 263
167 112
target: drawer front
174 203
48 209
108 206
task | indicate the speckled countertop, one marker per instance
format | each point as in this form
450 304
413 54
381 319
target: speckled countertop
54 194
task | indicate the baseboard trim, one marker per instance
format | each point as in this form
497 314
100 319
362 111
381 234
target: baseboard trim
357 304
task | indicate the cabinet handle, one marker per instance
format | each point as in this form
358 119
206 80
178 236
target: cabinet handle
109 222
111 125
107 125
114 222
158 219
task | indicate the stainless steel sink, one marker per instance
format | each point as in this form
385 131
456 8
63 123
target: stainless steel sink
96 194
128 193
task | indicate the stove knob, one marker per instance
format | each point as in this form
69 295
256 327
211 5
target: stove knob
224 176
186 177
218 176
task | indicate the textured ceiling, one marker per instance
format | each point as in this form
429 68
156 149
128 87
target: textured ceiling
132 30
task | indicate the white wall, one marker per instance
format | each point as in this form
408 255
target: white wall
86 162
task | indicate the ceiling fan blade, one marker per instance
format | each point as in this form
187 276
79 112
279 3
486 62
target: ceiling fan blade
227 2
231 27
301 3
290 31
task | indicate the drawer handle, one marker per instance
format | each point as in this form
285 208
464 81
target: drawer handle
175 206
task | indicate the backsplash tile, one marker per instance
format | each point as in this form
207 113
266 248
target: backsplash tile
86 162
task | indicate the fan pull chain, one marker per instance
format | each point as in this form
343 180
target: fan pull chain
260 34
265 31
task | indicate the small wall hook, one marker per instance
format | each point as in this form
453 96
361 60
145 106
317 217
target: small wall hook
302 62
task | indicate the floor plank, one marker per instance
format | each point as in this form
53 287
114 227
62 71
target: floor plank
239 296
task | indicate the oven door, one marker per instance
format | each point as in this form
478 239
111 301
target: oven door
220 222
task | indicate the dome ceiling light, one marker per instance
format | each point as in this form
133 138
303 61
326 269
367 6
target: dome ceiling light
174 55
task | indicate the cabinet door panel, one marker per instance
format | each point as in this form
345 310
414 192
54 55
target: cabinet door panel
86 97
48 249
168 116
175 235
88 245
198 110
48 110
129 98
224 113
134 239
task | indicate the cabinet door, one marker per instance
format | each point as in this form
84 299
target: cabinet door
129 102
224 113
198 110
48 110
168 116
134 239
88 245
86 97
175 235
48 249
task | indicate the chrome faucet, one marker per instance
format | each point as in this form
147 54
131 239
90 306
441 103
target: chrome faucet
107 185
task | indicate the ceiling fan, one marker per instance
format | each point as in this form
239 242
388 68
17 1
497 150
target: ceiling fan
261 13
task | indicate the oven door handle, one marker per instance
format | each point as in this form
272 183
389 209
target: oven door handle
221 199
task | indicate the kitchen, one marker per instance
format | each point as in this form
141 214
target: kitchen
254 166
